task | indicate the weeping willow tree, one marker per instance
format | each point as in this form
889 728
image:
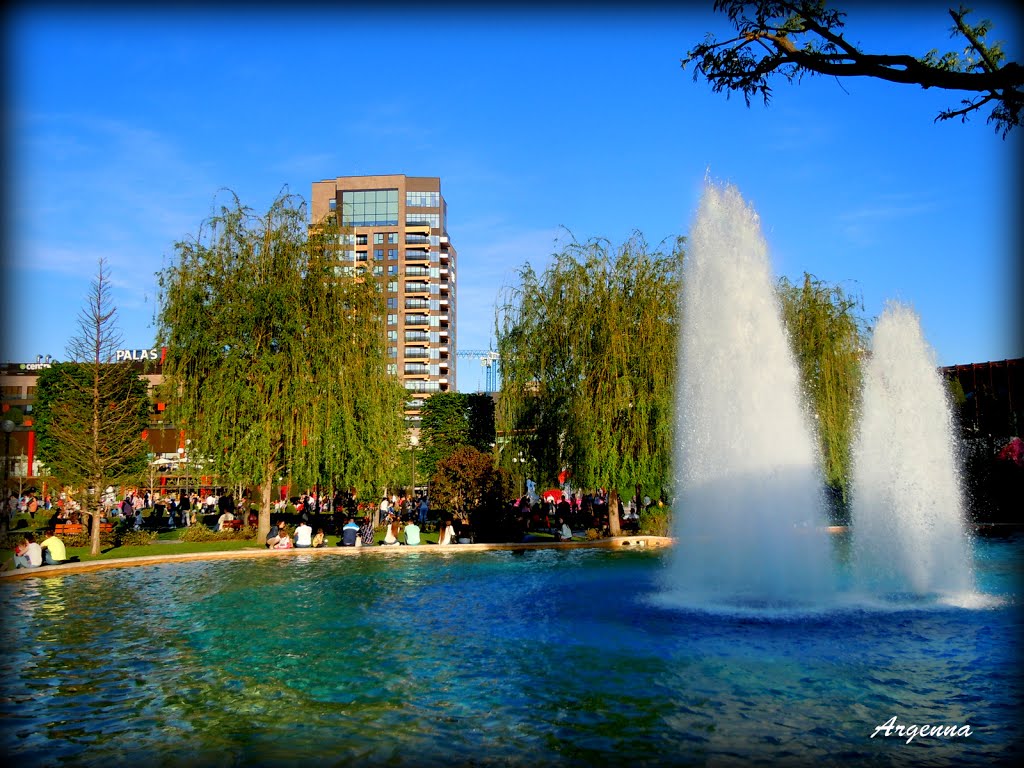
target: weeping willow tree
275 359
827 336
588 362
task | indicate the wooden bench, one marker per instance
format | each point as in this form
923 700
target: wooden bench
71 529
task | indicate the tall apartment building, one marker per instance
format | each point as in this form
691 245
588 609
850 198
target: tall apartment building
397 232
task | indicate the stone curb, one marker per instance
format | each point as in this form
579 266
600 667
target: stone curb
638 542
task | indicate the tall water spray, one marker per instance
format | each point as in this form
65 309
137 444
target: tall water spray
749 521
908 521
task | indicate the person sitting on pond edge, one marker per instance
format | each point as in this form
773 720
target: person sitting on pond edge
391 531
28 554
366 532
447 534
412 533
274 534
54 551
349 533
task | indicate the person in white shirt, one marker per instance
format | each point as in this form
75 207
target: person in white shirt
303 535
225 517
447 533
28 554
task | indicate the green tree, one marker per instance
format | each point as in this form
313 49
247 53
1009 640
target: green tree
828 339
803 37
451 420
444 427
588 353
91 412
468 481
275 354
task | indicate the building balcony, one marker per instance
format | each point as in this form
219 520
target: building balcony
416 320
417 229
416 255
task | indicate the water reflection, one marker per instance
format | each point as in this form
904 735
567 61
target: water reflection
550 658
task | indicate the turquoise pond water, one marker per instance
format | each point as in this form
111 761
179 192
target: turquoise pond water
490 658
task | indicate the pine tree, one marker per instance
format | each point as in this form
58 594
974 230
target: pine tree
91 412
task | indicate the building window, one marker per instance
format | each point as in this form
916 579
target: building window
334 204
369 208
378 238
392 286
393 336
392 238
378 254
392 319
392 269
392 254
392 351
430 219
378 270
393 369
422 199
392 303
360 239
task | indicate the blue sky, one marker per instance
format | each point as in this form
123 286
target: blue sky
122 125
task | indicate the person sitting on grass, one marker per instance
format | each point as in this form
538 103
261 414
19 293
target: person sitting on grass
319 540
54 551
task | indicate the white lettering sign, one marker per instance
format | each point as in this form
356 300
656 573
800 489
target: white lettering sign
123 355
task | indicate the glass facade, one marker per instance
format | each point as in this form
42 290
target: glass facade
431 219
369 208
422 199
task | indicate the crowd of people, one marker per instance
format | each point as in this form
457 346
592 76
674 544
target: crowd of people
563 515
357 532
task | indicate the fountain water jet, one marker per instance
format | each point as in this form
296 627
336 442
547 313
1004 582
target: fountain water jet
907 512
749 503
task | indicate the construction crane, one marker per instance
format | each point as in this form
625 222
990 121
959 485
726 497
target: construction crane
489 360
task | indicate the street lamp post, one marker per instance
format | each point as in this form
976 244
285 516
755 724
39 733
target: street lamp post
8 426
521 461
187 458
414 441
